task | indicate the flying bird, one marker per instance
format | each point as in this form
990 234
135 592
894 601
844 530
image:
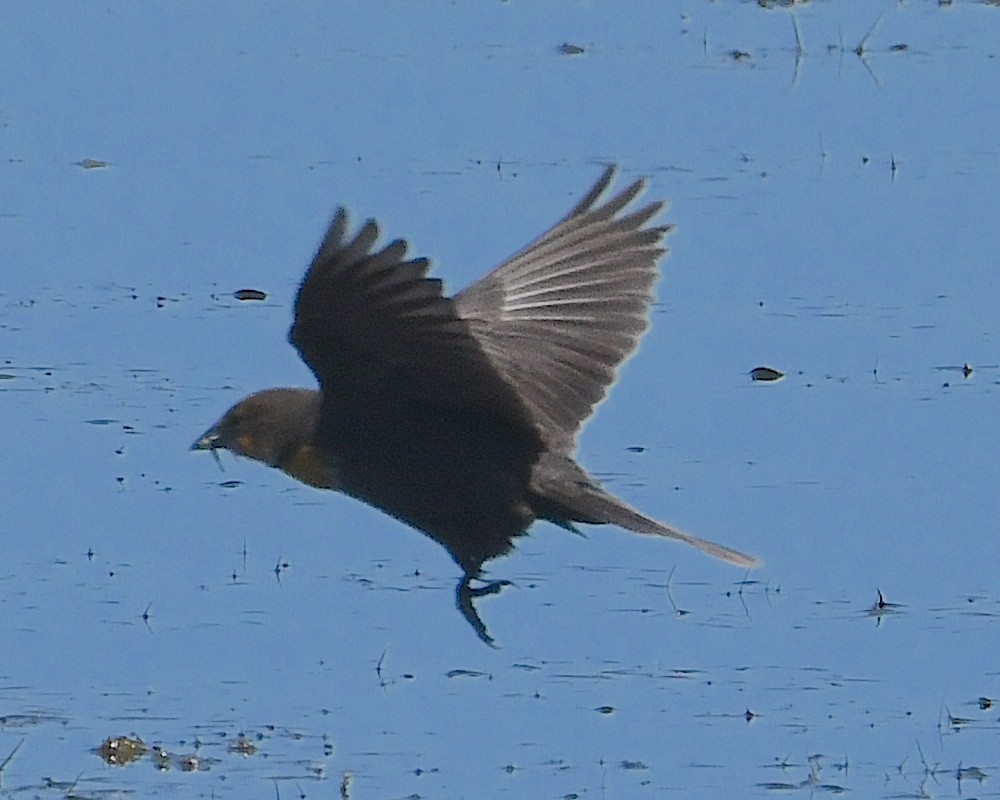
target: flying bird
459 415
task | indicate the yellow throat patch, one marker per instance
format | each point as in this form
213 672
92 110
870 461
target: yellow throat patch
309 467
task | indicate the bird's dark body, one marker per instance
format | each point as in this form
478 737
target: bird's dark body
445 471
459 416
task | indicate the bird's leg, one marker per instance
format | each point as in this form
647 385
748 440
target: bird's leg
465 594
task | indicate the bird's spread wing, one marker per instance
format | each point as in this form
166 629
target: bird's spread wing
378 333
560 317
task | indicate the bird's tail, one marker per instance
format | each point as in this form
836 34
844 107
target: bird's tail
580 499
609 509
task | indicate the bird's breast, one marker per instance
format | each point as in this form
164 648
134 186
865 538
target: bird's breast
308 466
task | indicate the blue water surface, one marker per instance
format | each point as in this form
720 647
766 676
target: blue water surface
833 172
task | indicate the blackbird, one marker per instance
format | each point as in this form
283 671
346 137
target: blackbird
459 415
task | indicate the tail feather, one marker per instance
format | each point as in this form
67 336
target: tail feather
618 513
566 494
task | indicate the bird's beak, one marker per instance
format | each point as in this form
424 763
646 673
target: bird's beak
210 441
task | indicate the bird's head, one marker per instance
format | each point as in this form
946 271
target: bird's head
270 426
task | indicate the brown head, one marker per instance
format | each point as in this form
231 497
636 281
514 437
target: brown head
275 427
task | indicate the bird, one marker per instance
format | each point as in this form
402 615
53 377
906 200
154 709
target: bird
460 415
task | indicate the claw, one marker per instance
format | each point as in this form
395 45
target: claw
465 594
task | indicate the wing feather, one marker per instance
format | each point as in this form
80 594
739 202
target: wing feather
383 340
560 316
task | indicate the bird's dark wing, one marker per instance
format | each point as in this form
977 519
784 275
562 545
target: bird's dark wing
560 317
378 333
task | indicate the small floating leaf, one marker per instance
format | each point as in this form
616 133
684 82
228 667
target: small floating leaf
250 294
766 374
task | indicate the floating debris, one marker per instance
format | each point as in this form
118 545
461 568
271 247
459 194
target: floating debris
243 746
882 607
466 673
250 294
766 374
970 773
192 763
161 758
121 750
26 720
9 758
957 722
966 369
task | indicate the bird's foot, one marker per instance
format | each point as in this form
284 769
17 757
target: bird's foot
465 593
489 587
